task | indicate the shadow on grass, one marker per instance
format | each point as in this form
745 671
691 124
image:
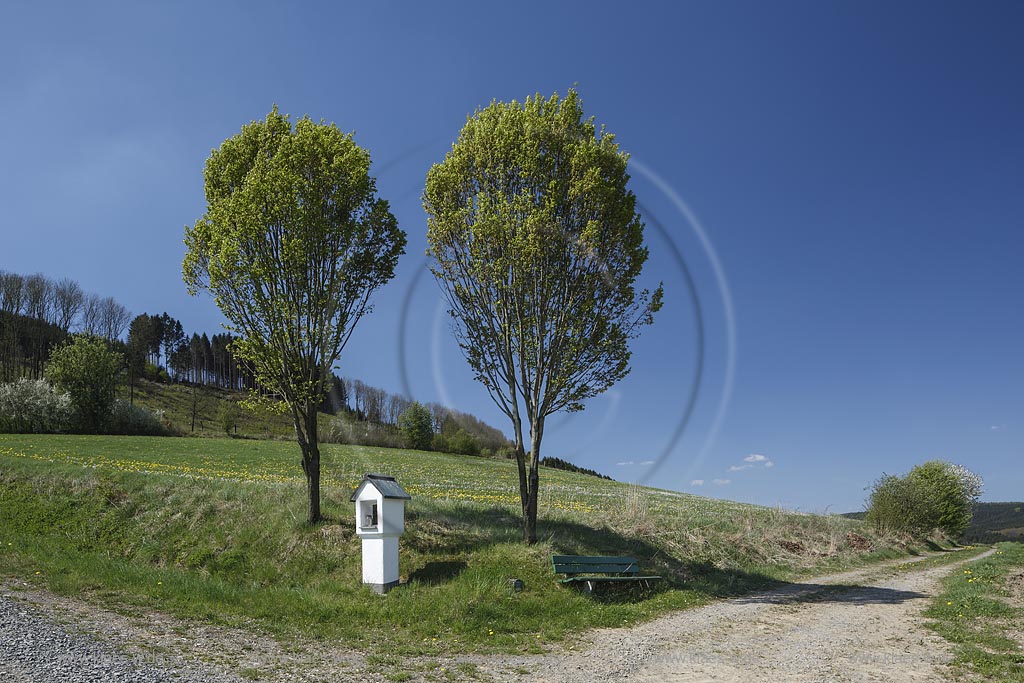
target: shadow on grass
470 529
434 573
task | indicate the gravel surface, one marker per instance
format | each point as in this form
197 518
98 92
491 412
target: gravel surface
36 649
861 626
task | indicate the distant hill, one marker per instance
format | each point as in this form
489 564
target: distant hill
994 522
991 523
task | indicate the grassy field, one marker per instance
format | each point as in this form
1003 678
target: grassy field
213 529
981 609
176 401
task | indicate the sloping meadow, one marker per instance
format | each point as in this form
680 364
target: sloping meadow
214 530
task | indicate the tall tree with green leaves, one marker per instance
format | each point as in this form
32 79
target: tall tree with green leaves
293 243
416 426
88 371
537 245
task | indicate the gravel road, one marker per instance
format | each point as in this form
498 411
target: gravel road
856 627
36 649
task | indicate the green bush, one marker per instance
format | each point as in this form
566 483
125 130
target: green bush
32 406
155 373
439 444
462 442
88 372
935 495
131 420
227 416
417 426
947 504
344 430
895 505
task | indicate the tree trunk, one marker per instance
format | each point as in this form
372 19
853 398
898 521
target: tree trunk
524 488
306 431
530 519
533 483
312 467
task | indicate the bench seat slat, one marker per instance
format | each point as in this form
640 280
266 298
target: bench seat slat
573 579
597 569
598 559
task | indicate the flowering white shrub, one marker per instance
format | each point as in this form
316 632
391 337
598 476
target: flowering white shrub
971 482
32 406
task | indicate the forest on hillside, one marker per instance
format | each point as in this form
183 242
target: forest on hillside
38 314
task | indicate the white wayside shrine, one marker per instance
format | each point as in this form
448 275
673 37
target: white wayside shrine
380 520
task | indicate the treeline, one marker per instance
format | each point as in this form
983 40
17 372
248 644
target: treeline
559 464
37 314
371 418
159 350
994 522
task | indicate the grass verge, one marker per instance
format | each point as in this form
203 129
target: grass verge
212 529
981 610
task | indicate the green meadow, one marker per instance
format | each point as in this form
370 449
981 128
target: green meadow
213 530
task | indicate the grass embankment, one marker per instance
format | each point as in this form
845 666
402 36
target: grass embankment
981 609
213 529
177 401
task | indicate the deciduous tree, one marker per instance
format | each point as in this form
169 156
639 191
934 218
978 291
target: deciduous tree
68 300
293 243
416 426
537 245
88 371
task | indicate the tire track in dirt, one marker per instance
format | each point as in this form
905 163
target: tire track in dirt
855 627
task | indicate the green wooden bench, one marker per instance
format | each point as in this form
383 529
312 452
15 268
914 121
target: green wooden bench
589 572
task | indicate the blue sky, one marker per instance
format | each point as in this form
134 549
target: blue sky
856 167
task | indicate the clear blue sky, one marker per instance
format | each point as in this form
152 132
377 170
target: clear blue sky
858 168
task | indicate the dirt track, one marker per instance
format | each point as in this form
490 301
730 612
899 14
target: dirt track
853 627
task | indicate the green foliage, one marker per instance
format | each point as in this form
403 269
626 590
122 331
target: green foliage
227 416
945 501
33 407
559 464
292 275
88 372
463 443
417 426
25 344
133 420
345 429
537 245
293 243
439 444
897 504
174 403
535 235
155 373
932 496
993 522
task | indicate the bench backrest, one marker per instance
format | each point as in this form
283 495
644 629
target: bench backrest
582 564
